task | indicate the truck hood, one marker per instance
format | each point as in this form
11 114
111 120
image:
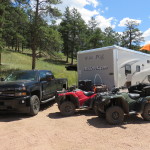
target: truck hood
5 84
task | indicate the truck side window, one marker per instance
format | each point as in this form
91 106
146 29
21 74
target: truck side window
127 69
42 75
138 69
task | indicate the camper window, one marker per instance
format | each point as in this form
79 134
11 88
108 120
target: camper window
138 69
127 69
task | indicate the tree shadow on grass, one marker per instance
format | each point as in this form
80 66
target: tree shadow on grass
56 62
20 52
27 54
98 122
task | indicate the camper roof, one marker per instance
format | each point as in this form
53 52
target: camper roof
111 48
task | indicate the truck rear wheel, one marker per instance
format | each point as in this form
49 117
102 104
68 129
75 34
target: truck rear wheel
67 108
146 112
114 115
34 105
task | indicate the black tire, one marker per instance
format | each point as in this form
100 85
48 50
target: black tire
97 112
146 112
67 108
114 115
34 105
59 107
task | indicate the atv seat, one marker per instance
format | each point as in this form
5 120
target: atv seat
134 96
88 93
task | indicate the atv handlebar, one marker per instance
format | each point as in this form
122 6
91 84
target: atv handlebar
116 90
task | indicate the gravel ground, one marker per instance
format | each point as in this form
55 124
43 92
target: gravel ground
83 131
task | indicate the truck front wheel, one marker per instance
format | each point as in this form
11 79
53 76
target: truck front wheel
114 115
34 105
67 108
146 112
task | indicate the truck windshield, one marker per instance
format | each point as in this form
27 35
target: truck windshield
22 75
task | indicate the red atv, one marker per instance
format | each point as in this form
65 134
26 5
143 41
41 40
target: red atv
69 101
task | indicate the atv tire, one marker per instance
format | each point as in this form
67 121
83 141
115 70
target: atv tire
114 115
67 108
146 112
34 105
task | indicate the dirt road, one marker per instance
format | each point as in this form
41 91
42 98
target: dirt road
83 131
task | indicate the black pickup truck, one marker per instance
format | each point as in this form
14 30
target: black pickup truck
24 91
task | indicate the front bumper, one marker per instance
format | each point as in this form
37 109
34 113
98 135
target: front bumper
21 104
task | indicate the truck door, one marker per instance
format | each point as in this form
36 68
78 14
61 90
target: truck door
47 84
52 83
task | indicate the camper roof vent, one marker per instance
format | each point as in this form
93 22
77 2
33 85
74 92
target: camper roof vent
148 61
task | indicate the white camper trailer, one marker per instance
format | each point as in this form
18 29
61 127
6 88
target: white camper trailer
113 66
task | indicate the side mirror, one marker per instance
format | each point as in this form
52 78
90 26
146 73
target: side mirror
49 77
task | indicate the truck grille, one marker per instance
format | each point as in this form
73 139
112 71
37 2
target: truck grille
7 92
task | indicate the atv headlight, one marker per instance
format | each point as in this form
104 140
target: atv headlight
103 99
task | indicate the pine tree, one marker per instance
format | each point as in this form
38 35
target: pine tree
132 36
41 8
111 37
73 30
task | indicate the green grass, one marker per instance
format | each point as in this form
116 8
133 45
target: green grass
16 61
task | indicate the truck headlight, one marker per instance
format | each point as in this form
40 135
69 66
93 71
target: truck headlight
21 94
20 91
23 88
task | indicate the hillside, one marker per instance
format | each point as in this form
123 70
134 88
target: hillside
16 61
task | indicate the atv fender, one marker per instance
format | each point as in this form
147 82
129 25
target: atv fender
101 103
92 102
59 99
122 103
70 97
102 106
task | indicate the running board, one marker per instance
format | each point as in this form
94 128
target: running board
50 99
132 113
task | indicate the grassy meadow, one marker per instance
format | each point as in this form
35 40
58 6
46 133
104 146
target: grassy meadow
17 61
